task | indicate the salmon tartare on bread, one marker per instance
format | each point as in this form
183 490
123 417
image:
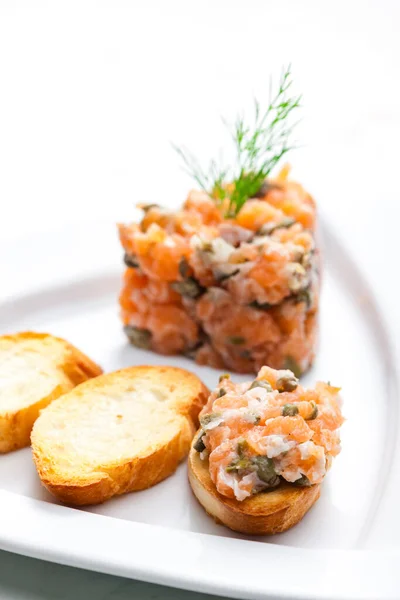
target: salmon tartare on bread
263 449
231 279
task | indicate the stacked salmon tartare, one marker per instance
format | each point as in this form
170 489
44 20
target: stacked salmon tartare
234 291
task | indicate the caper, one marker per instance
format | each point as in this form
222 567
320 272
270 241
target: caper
184 268
138 337
189 288
269 228
265 470
292 365
131 261
286 222
206 419
287 383
262 384
303 481
221 392
260 306
237 340
199 445
304 296
290 410
314 412
224 376
265 229
223 276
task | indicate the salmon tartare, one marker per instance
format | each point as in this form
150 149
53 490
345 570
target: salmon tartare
232 278
258 434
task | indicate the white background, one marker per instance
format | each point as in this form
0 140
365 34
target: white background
92 93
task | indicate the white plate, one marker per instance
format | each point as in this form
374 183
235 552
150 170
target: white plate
345 547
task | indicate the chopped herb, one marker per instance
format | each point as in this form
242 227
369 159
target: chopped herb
237 340
131 261
221 392
199 445
189 288
290 410
138 337
292 365
259 147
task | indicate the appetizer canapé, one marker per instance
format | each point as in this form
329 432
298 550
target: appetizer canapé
269 434
231 279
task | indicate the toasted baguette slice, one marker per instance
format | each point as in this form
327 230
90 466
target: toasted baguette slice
121 432
262 514
35 369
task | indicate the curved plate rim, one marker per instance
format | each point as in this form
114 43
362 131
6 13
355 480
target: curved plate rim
179 558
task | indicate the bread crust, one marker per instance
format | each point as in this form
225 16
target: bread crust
262 514
74 368
186 396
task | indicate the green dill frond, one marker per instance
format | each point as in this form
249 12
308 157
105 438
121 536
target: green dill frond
259 147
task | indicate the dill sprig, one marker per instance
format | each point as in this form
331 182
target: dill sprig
259 146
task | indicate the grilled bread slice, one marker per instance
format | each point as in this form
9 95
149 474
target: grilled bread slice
262 514
121 432
35 369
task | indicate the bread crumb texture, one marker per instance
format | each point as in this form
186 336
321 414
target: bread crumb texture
35 369
120 432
